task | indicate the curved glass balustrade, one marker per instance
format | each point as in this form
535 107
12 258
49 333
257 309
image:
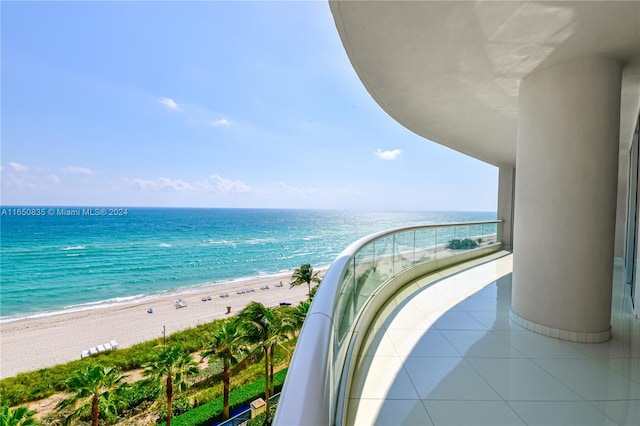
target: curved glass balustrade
316 383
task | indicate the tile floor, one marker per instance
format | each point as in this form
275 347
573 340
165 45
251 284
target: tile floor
447 354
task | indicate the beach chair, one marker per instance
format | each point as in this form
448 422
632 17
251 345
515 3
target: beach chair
108 347
93 351
101 348
114 344
84 354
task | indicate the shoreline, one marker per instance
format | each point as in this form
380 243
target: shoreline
37 341
213 286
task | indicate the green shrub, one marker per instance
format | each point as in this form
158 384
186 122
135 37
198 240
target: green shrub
180 405
261 418
141 391
210 412
257 420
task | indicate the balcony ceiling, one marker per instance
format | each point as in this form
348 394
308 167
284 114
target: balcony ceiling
450 71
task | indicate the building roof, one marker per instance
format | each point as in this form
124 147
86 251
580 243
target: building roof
450 71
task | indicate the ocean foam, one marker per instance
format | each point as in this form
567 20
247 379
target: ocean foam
74 248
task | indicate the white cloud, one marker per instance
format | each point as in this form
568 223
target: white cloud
387 155
170 103
222 122
197 114
20 177
160 184
220 184
213 184
18 167
80 170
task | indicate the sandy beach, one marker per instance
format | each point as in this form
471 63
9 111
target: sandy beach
33 343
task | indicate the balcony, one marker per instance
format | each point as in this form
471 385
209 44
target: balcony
441 349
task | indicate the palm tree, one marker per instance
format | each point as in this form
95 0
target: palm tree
98 388
171 365
298 314
304 274
314 290
226 346
265 327
20 416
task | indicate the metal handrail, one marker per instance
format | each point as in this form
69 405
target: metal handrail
314 390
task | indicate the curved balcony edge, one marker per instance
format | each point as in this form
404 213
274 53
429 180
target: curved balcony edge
318 379
398 288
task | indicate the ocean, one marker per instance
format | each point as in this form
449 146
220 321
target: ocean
70 258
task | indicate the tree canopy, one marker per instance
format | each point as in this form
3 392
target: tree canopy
304 275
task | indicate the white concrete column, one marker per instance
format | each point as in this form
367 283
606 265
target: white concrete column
565 199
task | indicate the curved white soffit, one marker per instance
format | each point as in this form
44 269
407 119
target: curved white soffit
450 71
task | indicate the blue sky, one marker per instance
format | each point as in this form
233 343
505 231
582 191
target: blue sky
207 104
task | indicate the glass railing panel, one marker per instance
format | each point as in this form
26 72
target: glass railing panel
383 268
366 267
425 245
366 273
404 251
461 240
490 231
476 233
345 309
443 236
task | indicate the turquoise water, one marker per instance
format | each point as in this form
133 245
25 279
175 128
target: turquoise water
54 259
